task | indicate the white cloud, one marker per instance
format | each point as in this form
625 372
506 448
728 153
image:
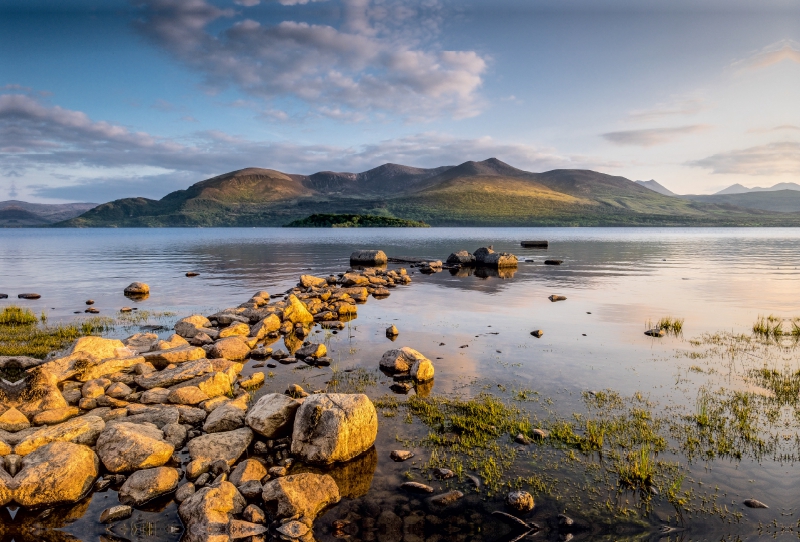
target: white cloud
653 136
772 54
780 128
673 108
371 64
779 158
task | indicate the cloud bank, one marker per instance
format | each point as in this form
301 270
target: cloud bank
653 136
779 158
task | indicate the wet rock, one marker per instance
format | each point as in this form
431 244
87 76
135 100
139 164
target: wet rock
401 455
553 262
169 377
188 395
301 494
116 513
520 501
233 348
368 257
392 331
29 296
310 281
443 474
185 491
80 430
487 257
296 312
334 427
416 487
145 485
565 521
56 473
462 257
247 470
125 447
273 415
752 503
555 297
537 333
655 332
312 350
136 289
295 391
254 514
55 416
540 434
446 499
522 439
228 445
175 434
400 360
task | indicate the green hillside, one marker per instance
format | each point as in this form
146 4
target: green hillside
473 193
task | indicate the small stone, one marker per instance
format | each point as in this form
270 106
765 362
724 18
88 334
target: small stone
220 466
557 298
401 455
522 439
392 331
277 472
540 434
443 474
752 503
564 520
136 289
520 501
655 332
448 498
29 296
116 513
251 489
537 333
416 487
296 391
185 491
254 514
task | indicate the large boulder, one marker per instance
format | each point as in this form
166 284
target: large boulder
304 494
227 417
100 348
227 445
246 471
80 430
192 325
272 415
210 510
489 258
368 257
296 312
57 473
462 257
331 427
137 289
265 326
145 485
310 281
125 447
180 354
407 360
169 377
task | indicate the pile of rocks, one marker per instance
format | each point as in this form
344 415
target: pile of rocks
483 257
125 414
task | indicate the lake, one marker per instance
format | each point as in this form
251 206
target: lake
722 401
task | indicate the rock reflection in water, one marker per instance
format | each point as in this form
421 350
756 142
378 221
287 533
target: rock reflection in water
354 478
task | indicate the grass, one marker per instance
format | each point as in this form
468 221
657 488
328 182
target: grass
673 326
638 470
770 327
23 334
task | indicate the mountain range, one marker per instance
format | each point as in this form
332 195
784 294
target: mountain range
486 193
14 213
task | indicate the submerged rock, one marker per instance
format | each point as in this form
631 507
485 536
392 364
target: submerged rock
145 485
300 494
752 503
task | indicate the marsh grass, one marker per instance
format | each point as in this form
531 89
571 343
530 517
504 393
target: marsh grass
23 334
769 327
351 380
673 326
638 470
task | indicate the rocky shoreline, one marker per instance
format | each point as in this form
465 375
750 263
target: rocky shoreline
125 414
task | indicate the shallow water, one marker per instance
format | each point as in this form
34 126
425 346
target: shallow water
615 281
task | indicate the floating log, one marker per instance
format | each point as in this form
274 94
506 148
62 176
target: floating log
535 244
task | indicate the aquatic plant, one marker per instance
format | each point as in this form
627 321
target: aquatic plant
768 327
23 334
638 469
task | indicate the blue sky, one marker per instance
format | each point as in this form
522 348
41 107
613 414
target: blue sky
107 99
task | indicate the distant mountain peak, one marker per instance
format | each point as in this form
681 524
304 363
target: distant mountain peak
733 189
656 187
739 189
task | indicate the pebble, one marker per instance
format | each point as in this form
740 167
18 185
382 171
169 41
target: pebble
447 498
540 434
416 487
3 296
537 333
655 332
192 274
90 301
29 296
752 503
116 513
443 474
564 520
401 455
522 439
392 331
521 501
277 472
557 298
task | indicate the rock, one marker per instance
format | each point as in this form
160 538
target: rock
752 503
188 395
244 529
399 360
557 298
301 494
293 530
100 348
331 427
522 439
254 514
233 348
237 329
255 380
655 332
520 501
462 257
211 506
213 385
422 370
354 279
116 513
145 485
312 350
154 396
277 472
185 491
228 445
296 312
145 368
553 262
227 417
265 326
181 354
55 416
565 521
56 473
141 342
169 377
310 281
80 430
175 434
537 333
443 474
118 390
247 470
540 434
487 257
368 257
29 296
156 415
392 331
401 455
250 490
416 487
446 499
13 420
136 289
125 447
273 415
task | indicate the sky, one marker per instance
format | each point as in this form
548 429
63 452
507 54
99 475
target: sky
105 99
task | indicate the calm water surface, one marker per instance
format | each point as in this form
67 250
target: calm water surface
477 331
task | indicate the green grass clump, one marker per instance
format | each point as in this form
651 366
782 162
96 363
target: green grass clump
769 327
638 470
673 326
23 334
